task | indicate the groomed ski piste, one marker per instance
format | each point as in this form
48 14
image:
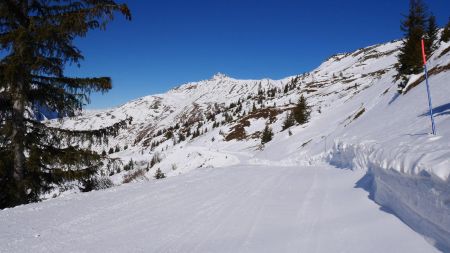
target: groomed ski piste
364 175
242 208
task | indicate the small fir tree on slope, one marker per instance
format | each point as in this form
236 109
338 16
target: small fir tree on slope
431 35
289 121
446 33
302 111
414 27
266 135
159 174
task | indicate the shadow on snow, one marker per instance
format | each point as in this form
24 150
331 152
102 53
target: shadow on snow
438 111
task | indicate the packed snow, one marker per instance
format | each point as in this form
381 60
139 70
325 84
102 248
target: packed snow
233 209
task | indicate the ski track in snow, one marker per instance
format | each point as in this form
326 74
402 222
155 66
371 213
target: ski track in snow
246 208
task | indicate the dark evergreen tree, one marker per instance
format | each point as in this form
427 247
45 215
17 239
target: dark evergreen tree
129 166
181 137
301 112
37 38
159 174
286 88
195 134
266 135
168 135
431 35
446 33
289 121
414 26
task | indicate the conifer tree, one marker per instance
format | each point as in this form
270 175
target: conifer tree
129 166
37 38
301 112
446 33
267 135
414 26
289 121
159 174
168 135
181 137
432 35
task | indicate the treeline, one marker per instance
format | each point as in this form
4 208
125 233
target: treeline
300 114
418 24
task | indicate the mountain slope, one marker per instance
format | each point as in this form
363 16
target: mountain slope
339 89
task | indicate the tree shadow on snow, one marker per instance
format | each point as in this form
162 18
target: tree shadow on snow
396 95
420 134
438 111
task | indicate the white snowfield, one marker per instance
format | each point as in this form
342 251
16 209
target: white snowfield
233 209
284 197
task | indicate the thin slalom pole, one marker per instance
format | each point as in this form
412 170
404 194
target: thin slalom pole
424 56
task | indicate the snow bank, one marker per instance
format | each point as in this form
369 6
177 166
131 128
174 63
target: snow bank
422 200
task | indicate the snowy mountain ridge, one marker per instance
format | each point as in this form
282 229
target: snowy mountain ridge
199 98
338 81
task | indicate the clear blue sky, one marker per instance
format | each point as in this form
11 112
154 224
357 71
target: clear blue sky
170 42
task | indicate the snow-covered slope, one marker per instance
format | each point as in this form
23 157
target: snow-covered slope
359 121
346 85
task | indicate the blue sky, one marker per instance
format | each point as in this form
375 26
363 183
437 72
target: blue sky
170 42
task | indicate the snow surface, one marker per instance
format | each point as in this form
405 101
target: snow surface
359 121
234 209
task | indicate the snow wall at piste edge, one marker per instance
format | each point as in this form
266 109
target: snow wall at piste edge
422 201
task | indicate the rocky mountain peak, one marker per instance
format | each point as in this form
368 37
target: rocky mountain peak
219 76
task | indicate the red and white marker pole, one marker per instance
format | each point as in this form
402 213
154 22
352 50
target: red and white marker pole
433 126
